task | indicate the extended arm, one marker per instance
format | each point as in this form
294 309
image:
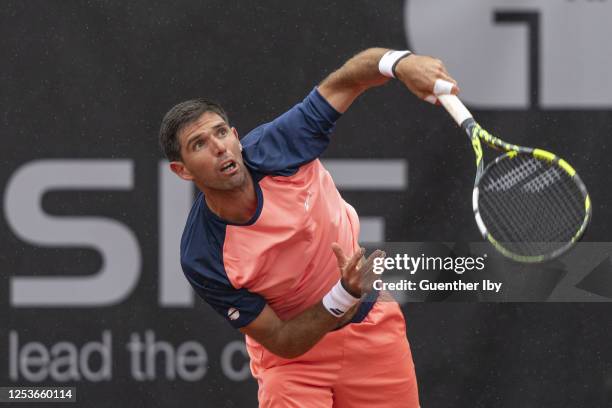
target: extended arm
294 337
360 73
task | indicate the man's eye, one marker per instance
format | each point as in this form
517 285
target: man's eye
198 145
223 131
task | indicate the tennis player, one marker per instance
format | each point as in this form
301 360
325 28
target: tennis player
271 245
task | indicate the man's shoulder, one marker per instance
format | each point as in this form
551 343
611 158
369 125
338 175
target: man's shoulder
201 241
293 139
195 216
312 108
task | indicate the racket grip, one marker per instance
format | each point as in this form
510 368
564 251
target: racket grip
455 108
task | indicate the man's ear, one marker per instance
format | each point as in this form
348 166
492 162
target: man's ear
235 132
180 170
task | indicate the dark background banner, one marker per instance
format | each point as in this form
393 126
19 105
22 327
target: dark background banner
92 295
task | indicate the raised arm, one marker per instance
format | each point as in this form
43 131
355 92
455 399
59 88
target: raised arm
361 72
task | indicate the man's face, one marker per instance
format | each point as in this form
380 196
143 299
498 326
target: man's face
211 155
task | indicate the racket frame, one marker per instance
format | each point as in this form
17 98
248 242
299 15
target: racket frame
477 135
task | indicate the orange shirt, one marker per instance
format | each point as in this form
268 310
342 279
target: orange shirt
282 256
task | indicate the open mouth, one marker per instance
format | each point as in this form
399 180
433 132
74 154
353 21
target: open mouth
229 167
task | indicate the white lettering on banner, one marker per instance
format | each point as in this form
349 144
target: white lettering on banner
175 200
227 367
114 241
65 362
149 359
117 244
188 361
62 362
519 54
191 359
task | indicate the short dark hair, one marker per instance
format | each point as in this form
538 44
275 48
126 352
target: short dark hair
178 117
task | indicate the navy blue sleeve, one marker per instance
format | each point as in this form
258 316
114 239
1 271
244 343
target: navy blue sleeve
238 307
295 138
202 263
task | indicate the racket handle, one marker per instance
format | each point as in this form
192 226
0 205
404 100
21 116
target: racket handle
455 108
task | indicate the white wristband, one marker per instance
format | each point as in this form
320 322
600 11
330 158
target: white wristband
338 300
387 63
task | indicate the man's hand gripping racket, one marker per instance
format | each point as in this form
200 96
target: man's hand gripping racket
530 204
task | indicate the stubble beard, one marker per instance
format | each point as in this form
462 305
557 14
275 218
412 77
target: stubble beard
236 182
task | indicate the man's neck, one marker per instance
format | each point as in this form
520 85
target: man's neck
237 206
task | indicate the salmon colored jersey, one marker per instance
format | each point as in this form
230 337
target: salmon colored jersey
282 256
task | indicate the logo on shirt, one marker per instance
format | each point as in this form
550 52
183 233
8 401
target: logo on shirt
307 202
233 313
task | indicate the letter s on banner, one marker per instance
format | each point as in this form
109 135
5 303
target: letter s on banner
116 243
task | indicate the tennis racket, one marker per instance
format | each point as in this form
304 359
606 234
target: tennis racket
530 204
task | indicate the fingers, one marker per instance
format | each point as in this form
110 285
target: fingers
431 99
345 263
376 254
354 260
357 272
339 255
368 265
367 271
440 72
442 86
351 279
443 68
455 89
443 83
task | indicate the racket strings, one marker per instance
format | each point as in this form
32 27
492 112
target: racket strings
530 206
527 237
546 219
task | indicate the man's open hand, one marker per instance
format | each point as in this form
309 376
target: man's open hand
357 272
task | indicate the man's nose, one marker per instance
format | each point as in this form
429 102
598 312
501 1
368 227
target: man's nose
218 146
